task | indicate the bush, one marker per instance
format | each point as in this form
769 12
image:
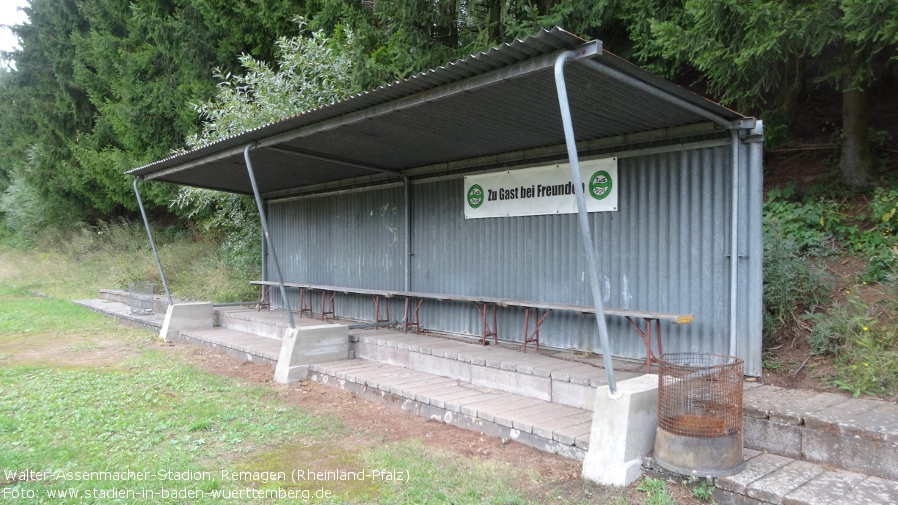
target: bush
794 283
864 340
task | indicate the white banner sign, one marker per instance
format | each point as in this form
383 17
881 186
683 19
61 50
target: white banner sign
541 190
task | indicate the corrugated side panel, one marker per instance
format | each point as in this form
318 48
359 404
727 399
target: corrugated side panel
666 249
353 239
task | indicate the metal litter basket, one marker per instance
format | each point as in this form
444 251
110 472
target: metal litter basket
140 297
699 415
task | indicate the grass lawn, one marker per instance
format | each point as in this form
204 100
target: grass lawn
108 414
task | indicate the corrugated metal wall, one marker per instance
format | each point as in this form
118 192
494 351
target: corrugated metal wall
667 249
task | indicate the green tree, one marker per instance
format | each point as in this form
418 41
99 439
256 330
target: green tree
102 86
756 53
312 70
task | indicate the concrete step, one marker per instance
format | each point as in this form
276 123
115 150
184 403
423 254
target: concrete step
122 312
855 434
543 376
238 344
160 302
266 323
772 479
538 423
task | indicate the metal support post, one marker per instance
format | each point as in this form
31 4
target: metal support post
271 251
146 223
585 234
734 242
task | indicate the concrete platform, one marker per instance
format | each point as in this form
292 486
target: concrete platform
560 377
801 447
237 344
122 312
542 424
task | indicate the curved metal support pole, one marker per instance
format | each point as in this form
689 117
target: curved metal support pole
146 224
585 233
653 91
734 242
271 251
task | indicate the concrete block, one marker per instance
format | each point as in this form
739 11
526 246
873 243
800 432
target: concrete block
573 394
382 354
440 366
766 435
186 316
512 382
310 344
622 431
879 459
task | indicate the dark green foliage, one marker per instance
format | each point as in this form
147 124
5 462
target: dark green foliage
794 283
103 86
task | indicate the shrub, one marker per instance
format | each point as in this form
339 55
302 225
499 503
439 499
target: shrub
794 283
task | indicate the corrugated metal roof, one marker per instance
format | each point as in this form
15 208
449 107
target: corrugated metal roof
500 101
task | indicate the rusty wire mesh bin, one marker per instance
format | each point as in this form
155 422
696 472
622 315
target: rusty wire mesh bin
699 414
140 297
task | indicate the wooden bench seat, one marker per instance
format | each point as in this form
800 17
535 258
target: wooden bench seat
486 307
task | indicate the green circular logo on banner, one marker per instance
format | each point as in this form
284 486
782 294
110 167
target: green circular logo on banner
600 185
475 196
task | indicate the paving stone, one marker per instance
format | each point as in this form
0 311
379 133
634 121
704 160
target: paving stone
494 404
547 369
423 395
569 434
455 404
794 410
875 491
760 401
874 424
619 375
428 396
503 415
547 428
829 488
452 396
755 468
775 486
525 419
406 388
565 374
834 418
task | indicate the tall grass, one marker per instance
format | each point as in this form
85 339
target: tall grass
75 263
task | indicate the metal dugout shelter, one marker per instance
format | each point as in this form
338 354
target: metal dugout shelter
368 193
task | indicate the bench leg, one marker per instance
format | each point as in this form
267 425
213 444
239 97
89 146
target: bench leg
302 305
646 337
377 317
487 330
538 321
327 301
408 321
264 298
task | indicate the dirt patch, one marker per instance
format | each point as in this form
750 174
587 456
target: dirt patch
373 423
69 350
